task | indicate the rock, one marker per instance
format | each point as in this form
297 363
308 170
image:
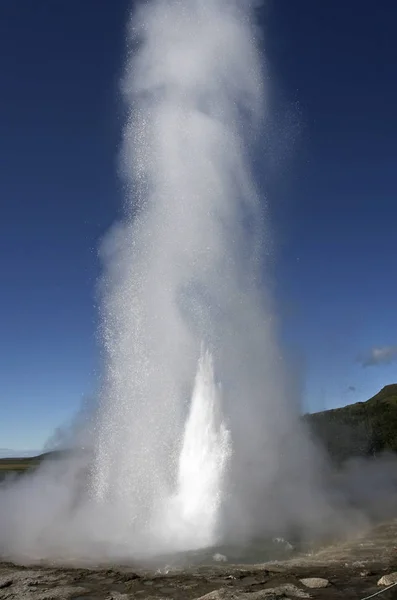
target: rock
388 579
281 591
315 583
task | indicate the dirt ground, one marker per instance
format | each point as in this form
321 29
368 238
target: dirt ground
352 569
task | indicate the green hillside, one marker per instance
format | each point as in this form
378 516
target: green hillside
361 429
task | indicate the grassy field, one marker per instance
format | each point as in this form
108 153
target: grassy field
16 465
19 465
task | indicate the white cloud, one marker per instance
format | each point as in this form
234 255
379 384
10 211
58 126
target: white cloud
379 355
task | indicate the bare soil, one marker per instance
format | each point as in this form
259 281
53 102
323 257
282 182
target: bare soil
352 568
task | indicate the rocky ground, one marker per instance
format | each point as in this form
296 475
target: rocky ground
346 570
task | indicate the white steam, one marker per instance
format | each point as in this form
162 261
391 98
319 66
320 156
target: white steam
188 447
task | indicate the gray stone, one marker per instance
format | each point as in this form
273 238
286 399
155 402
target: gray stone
315 583
388 579
287 588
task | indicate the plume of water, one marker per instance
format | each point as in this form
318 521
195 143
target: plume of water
183 267
205 452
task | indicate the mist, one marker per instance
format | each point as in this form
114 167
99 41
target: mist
194 390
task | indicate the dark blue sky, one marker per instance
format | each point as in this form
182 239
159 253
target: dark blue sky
333 198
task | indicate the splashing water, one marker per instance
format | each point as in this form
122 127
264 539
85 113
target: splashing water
203 460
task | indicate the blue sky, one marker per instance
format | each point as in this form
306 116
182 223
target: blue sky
333 197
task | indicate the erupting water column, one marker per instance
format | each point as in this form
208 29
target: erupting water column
203 460
180 272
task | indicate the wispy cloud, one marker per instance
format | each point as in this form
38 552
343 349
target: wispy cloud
379 355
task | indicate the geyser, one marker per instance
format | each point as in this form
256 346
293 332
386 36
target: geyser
196 440
183 271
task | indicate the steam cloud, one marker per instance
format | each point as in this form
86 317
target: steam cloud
194 390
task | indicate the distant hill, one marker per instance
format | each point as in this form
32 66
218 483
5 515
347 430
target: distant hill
361 429
7 453
21 463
